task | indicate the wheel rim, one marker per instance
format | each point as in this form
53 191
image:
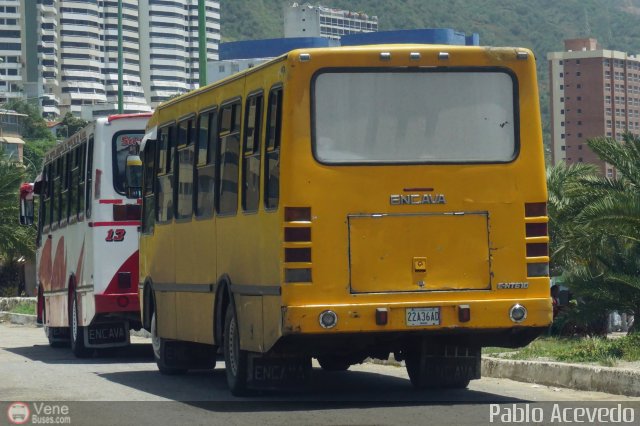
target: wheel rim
233 350
74 320
155 340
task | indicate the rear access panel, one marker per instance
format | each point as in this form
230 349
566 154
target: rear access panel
419 252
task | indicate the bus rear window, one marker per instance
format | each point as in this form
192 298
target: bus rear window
426 116
124 144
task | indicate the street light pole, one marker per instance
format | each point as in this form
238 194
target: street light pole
120 59
202 42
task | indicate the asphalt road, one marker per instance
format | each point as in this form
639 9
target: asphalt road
124 387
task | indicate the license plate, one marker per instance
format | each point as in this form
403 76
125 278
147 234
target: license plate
100 334
423 316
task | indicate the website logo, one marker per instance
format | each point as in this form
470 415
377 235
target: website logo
18 413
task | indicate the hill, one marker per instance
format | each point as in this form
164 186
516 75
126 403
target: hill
540 25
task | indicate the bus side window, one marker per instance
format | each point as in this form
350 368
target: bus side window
251 153
45 202
205 169
184 171
148 177
272 154
228 153
164 185
73 184
66 188
82 149
89 179
57 188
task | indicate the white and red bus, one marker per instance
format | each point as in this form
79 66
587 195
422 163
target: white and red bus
87 244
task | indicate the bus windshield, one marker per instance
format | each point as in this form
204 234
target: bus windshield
124 144
425 116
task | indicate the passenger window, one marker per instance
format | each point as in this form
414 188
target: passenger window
164 185
251 153
206 168
89 174
45 218
184 172
228 152
272 152
82 150
148 177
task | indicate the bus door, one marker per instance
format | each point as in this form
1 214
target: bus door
194 232
161 257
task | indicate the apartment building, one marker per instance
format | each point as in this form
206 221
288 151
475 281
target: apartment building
169 45
594 92
305 20
11 53
77 53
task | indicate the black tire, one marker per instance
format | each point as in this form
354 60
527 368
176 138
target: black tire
76 332
235 359
50 332
421 379
159 350
333 363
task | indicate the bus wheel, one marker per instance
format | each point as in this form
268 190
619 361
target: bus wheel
423 377
76 331
235 359
160 351
58 337
333 363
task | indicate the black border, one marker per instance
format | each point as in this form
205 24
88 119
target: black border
491 69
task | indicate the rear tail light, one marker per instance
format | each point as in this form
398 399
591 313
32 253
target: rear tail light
382 316
537 249
535 209
464 313
297 254
297 235
123 212
537 229
297 214
537 270
302 275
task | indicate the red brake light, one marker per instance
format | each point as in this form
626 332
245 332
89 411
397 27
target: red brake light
535 209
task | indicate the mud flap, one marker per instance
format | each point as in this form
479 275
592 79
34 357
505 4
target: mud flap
287 373
188 356
106 335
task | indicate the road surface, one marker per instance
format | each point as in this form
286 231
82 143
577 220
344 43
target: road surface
366 394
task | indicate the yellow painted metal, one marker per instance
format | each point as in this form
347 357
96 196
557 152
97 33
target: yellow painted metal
248 248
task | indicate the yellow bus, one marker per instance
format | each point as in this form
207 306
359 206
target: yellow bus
347 203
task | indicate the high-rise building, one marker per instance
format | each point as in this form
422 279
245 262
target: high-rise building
305 20
78 52
594 92
169 45
11 50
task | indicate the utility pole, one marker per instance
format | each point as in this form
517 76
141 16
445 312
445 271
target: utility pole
120 59
202 42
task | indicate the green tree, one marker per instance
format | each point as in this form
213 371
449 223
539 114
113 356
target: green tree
70 124
601 258
34 127
15 241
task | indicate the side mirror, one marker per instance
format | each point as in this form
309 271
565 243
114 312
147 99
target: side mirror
133 176
26 204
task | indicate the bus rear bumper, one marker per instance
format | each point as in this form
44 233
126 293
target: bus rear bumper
358 318
121 302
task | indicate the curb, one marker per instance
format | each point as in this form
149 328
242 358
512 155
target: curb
22 319
620 381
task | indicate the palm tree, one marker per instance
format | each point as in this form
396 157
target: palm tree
15 241
600 246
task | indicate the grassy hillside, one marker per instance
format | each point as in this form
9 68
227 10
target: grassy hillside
540 25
